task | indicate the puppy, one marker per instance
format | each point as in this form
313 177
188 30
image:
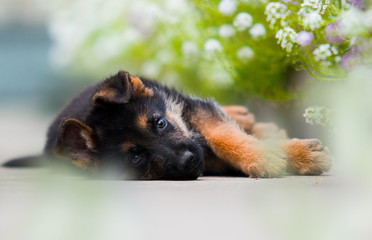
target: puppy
138 129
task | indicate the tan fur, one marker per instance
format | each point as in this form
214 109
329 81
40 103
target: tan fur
126 146
268 130
174 116
176 120
235 110
139 89
154 169
104 94
142 122
304 156
241 150
307 157
241 116
86 133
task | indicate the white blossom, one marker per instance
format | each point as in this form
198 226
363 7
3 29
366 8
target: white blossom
212 45
245 54
312 21
164 56
220 76
150 68
226 31
243 21
275 11
324 51
189 48
258 30
227 7
318 115
314 4
334 50
367 19
352 22
286 38
310 6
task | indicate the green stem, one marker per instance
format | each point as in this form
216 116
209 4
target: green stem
331 77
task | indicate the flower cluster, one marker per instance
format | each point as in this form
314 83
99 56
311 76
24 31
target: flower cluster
312 21
286 38
320 34
276 11
244 44
318 115
323 52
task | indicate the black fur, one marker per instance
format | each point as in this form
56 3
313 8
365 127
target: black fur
126 127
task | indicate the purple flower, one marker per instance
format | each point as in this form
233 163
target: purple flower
351 58
304 38
358 3
332 32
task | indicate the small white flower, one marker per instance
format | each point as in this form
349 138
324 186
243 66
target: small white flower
258 30
352 22
367 19
334 50
318 115
245 54
286 38
150 68
310 6
227 7
212 45
314 4
189 48
275 11
226 31
220 76
312 21
243 21
164 56
338 59
323 52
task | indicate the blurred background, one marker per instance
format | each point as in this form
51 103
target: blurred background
52 50
289 62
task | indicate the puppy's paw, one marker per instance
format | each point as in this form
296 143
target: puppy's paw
272 164
241 116
267 131
308 157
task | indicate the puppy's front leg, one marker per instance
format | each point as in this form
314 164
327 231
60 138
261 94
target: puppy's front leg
231 144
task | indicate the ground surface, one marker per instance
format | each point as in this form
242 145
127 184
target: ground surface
40 204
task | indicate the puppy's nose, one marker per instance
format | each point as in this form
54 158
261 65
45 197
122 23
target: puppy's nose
187 159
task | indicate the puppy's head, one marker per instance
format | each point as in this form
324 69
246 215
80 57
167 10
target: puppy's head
132 131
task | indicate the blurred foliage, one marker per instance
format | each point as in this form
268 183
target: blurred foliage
221 48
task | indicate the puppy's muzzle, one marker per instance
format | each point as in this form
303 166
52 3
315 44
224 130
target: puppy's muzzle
188 162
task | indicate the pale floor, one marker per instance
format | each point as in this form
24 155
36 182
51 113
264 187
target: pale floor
37 204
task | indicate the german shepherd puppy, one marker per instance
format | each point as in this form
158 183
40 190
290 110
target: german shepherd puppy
138 129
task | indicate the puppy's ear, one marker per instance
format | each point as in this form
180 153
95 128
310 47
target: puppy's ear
75 143
119 89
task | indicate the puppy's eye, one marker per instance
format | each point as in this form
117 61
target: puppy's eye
136 159
161 123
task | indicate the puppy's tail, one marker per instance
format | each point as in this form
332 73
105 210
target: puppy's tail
30 161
